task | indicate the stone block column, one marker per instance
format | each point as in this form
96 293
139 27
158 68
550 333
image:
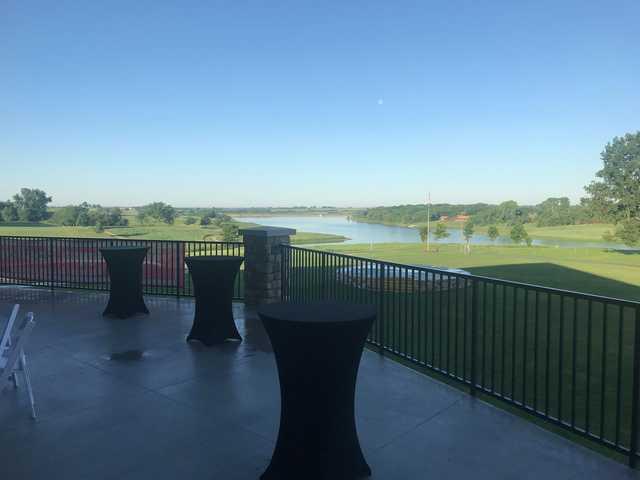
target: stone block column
262 263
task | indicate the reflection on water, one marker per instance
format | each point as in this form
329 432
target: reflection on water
374 233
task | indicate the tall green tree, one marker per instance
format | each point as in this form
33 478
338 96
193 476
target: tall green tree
8 212
616 192
553 212
31 204
107 217
493 233
424 234
440 232
467 233
229 232
71 215
158 211
222 218
518 233
84 215
3 205
211 213
141 215
507 213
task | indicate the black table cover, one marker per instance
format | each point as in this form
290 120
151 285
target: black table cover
125 272
317 348
213 278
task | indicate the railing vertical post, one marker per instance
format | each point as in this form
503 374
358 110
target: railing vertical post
635 396
178 268
381 338
283 273
323 277
474 323
51 262
2 261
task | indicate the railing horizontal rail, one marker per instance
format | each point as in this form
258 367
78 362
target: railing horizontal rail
454 273
570 358
66 262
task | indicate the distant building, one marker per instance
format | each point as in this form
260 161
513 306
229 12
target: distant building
444 218
461 218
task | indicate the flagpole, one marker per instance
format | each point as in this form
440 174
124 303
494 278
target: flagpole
428 219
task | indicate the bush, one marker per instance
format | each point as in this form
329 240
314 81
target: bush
518 233
189 221
158 211
10 213
229 232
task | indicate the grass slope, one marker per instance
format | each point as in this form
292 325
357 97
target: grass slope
576 233
558 357
601 272
178 231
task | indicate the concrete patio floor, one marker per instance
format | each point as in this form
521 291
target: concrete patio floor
187 411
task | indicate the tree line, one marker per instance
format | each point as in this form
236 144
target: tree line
613 197
31 205
554 211
517 233
85 215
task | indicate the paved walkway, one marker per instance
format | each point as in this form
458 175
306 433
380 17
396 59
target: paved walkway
123 399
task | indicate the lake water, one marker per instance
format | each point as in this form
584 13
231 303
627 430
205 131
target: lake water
374 233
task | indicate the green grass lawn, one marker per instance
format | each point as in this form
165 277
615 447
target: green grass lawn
306 238
557 355
137 231
549 353
134 232
587 232
48 230
574 233
589 270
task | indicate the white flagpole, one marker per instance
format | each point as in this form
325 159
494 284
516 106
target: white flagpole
428 219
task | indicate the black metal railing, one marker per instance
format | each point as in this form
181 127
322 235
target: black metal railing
570 358
77 263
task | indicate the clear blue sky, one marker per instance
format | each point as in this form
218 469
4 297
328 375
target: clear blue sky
255 103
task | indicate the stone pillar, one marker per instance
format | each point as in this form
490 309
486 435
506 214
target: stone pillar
262 263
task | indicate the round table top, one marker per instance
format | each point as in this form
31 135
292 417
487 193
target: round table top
213 258
318 312
123 249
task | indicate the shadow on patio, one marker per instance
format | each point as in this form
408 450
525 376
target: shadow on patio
161 408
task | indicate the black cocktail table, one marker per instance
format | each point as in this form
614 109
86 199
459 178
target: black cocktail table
317 348
213 278
125 272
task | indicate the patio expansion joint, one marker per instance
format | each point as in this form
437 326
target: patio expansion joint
154 392
423 422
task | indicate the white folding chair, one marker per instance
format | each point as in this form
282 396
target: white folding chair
5 342
14 360
6 333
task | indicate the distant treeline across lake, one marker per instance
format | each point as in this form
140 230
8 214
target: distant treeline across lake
359 232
